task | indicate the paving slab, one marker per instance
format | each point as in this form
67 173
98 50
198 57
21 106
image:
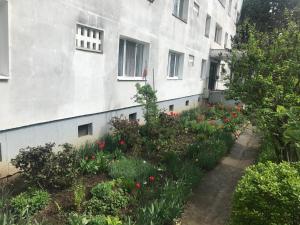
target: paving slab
210 203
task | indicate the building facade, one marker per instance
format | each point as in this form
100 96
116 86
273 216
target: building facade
68 66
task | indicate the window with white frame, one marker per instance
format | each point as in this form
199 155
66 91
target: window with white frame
175 65
4 47
196 8
229 7
223 2
207 25
89 39
191 60
180 9
203 69
226 40
133 57
218 34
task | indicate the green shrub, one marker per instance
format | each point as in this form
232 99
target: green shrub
95 164
128 131
131 169
206 154
168 207
268 194
267 151
75 219
79 195
28 203
41 166
107 199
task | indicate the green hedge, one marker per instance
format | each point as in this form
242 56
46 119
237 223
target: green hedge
268 194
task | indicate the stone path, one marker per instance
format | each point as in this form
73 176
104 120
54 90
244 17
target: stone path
211 201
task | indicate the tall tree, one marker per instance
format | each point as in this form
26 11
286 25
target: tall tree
267 14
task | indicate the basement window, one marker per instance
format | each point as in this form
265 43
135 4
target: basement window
85 130
187 103
171 108
89 39
132 117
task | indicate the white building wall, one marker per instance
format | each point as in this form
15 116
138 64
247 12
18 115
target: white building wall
50 80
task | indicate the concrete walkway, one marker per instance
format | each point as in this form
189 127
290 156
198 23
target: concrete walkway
211 201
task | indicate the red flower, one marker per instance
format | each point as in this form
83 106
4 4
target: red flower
151 179
138 185
93 157
234 114
226 120
122 142
101 145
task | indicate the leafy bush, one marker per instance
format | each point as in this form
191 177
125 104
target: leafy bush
267 151
107 199
28 203
268 194
79 195
94 164
206 154
129 132
131 169
75 219
41 166
168 207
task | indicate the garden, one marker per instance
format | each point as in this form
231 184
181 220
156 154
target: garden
268 41
139 173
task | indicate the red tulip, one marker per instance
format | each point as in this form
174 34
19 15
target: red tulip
234 115
101 145
122 142
138 185
93 157
226 120
151 179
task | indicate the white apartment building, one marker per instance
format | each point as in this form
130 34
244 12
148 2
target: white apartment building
68 66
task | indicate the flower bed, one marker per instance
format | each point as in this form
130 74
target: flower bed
139 174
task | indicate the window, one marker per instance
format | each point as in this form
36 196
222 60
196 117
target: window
207 25
175 65
226 40
196 8
229 7
133 56
171 108
132 117
187 103
191 60
84 130
223 2
218 34
180 9
203 69
89 39
4 50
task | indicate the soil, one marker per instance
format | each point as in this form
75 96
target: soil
63 201
211 201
